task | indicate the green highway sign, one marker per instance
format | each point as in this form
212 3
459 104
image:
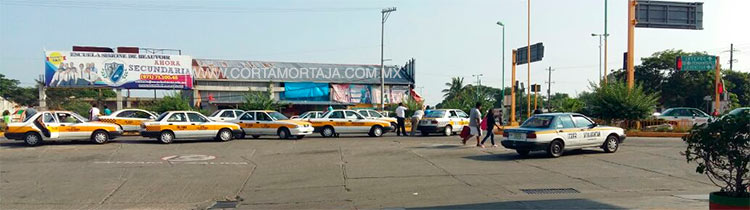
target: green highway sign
696 63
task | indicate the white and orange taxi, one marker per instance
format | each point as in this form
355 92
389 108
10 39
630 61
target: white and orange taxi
129 119
40 126
268 123
188 124
349 122
445 121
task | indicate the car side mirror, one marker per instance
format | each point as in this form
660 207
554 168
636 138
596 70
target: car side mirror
693 116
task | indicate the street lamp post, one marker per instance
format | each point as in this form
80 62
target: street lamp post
600 52
502 90
384 16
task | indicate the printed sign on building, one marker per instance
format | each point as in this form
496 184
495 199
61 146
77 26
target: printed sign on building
117 70
210 69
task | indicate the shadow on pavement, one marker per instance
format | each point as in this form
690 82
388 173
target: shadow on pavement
530 204
10 144
533 155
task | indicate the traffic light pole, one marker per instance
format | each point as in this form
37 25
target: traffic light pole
716 86
513 91
528 60
631 34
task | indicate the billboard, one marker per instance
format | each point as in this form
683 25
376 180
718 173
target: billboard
212 69
117 70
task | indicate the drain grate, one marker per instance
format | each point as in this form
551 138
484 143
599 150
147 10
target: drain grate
224 205
550 191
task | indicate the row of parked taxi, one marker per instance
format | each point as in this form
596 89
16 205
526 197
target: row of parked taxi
222 125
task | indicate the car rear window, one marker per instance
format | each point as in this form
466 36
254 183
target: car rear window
538 122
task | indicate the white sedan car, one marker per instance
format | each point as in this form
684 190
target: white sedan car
557 132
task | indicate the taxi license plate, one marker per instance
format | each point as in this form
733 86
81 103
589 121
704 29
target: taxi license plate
517 136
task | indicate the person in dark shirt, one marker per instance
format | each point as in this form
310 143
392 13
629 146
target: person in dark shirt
491 123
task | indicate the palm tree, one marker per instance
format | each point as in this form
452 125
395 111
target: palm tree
454 87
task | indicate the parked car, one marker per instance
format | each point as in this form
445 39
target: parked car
42 126
445 121
693 115
739 111
557 132
188 124
129 119
348 122
264 122
222 115
308 114
372 114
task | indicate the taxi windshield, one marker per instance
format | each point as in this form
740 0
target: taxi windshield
436 114
83 119
277 116
162 116
538 122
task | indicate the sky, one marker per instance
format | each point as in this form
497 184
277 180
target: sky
447 38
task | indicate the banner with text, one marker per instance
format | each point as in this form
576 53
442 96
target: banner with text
117 70
210 69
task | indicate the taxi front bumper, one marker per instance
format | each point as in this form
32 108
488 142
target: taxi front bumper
524 145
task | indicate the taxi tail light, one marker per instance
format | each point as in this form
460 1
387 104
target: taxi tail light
530 135
505 134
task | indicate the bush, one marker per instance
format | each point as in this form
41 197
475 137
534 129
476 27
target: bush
614 101
77 106
173 102
260 101
722 151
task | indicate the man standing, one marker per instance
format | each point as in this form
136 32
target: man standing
94 113
415 120
475 118
400 116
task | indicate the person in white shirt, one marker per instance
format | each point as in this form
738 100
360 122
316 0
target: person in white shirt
415 120
400 116
94 113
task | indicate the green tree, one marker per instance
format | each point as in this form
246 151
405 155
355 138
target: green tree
10 90
614 101
174 102
454 87
738 83
260 100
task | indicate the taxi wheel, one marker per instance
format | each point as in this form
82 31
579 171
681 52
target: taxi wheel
241 135
328 131
376 131
100 137
256 136
448 130
555 149
283 133
224 135
166 137
612 144
32 139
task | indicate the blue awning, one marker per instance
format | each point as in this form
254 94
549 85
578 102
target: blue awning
306 91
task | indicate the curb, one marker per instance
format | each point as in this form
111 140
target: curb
653 134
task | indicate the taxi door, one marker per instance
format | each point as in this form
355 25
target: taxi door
337 119
589 134
463 118
355 123
454 120
50 127
179 124
71 127
247 123
566 128
264 124
199 125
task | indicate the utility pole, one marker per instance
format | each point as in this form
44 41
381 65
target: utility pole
605 41
528 59
731 56
549 89
384 16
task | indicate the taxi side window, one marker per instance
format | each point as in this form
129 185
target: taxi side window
48 118
67 118
375 114
237 113
141 114
177 117
351 115
364 113
453 114
564 122
581 121
125 114
248 116
229 114
336 115
194 117
261 116
462 114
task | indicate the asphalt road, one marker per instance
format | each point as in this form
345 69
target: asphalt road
349 172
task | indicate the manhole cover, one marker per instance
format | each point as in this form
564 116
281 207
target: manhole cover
550 191
224 205
188 158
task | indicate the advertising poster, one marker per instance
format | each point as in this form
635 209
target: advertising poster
117 70
399 94
360 94
340 93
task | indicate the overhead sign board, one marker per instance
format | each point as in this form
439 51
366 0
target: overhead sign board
667 14
239 70
537 53
117 70
696 63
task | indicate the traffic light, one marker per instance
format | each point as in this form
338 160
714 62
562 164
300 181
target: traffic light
679 63
625 60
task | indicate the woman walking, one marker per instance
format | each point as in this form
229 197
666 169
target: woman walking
491 123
